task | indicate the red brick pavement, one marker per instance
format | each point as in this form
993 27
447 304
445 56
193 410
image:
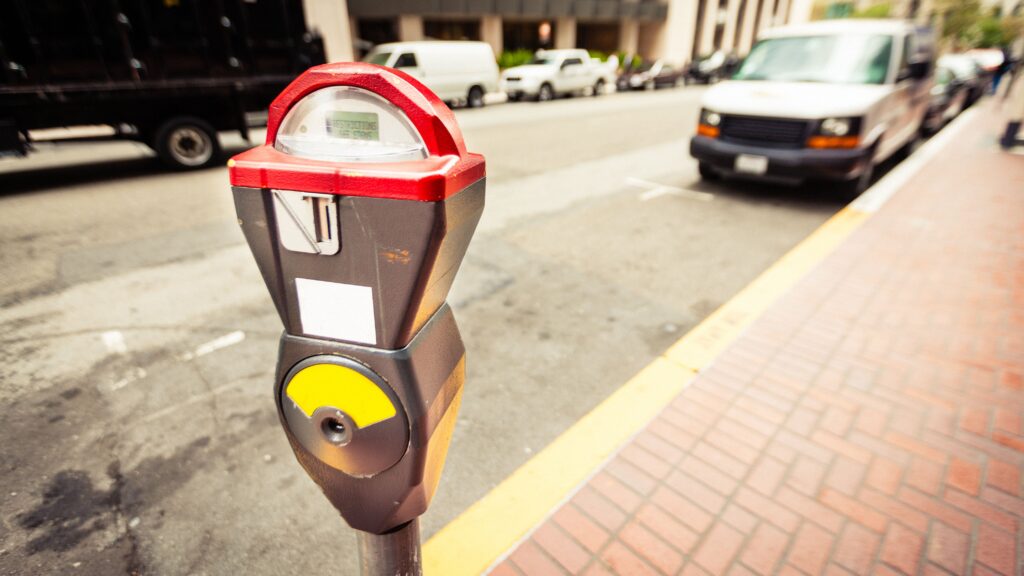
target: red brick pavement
870 422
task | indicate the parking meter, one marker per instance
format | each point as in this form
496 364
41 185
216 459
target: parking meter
359 209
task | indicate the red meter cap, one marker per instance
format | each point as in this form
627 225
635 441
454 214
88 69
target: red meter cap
359 129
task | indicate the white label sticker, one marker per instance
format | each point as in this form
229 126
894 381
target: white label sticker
338 311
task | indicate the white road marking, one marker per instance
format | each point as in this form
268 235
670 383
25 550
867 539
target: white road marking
224 341
876 196
114 341
655 190
137 373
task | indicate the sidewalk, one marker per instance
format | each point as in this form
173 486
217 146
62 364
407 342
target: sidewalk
869 422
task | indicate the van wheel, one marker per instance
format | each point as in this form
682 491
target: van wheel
707 172
851 189
545 93
599 87
475 98
186 143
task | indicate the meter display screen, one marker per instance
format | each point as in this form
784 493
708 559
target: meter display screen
353 125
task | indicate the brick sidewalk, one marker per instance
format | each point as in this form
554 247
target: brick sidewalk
870 422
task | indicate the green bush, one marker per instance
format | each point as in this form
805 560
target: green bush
509 59
881 10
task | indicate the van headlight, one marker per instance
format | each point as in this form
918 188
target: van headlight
835 126
836 133
708 124
710 118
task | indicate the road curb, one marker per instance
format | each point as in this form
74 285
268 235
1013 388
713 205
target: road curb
488 530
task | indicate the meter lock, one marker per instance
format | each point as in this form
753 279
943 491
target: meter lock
345 415
307 222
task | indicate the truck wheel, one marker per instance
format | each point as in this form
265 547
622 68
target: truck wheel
599 87
475 98
186 143
545 93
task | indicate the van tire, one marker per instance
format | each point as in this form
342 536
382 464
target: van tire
707 173
186 143
851 189
475 99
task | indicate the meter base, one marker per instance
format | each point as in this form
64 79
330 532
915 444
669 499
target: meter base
427 377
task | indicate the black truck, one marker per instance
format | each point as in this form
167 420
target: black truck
168 73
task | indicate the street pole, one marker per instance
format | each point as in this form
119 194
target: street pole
395 553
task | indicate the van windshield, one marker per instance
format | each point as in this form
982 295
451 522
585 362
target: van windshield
379 58
833 59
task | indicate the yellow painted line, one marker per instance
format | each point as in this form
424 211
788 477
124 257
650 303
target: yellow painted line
473 541
489 528
708 339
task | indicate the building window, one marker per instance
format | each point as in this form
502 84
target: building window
451 29
527 35
373 31
600 37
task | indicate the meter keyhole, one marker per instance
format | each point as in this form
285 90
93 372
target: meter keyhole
336 431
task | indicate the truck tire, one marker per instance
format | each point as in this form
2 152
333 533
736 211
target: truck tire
599 87
545 93
475 99
186 143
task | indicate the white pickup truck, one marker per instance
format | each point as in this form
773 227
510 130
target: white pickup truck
556 72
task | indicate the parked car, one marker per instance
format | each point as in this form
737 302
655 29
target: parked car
457 71
967 72
648 76
717 66
824 100
949 97
554 73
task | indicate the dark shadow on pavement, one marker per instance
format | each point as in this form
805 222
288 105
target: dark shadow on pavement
36 179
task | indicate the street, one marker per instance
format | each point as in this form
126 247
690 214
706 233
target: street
139 342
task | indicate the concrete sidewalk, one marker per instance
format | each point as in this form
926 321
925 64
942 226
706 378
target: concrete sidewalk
869 422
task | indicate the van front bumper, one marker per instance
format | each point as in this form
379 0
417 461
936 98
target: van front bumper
784 164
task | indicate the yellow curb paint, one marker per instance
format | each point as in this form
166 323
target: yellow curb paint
708 339
489 528
473 541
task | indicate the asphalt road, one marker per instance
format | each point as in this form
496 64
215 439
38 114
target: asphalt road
137 341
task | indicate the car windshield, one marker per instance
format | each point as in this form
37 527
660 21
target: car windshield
833 59
379 58
542 60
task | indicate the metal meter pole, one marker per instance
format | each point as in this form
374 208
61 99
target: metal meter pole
395 553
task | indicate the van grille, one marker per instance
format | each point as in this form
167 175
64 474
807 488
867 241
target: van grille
765 131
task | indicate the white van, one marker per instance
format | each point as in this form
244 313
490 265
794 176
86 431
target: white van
825 100
457 71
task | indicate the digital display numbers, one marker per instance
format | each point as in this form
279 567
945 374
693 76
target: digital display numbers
354 125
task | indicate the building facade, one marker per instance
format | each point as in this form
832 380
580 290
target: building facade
675 30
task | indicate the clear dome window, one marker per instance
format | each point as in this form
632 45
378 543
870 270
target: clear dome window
348 124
